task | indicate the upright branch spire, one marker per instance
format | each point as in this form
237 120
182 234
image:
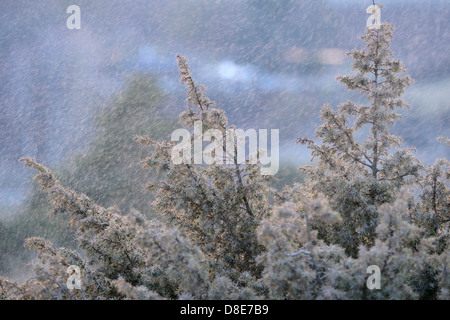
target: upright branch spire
359 174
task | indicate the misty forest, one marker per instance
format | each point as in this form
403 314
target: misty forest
94 203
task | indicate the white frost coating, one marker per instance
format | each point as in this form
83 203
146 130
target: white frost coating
374 21
74 280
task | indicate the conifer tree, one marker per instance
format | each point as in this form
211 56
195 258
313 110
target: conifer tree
357 176
108 171
219 205
366 204
432 212
119 256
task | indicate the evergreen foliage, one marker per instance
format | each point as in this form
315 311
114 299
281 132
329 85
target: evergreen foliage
227 234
